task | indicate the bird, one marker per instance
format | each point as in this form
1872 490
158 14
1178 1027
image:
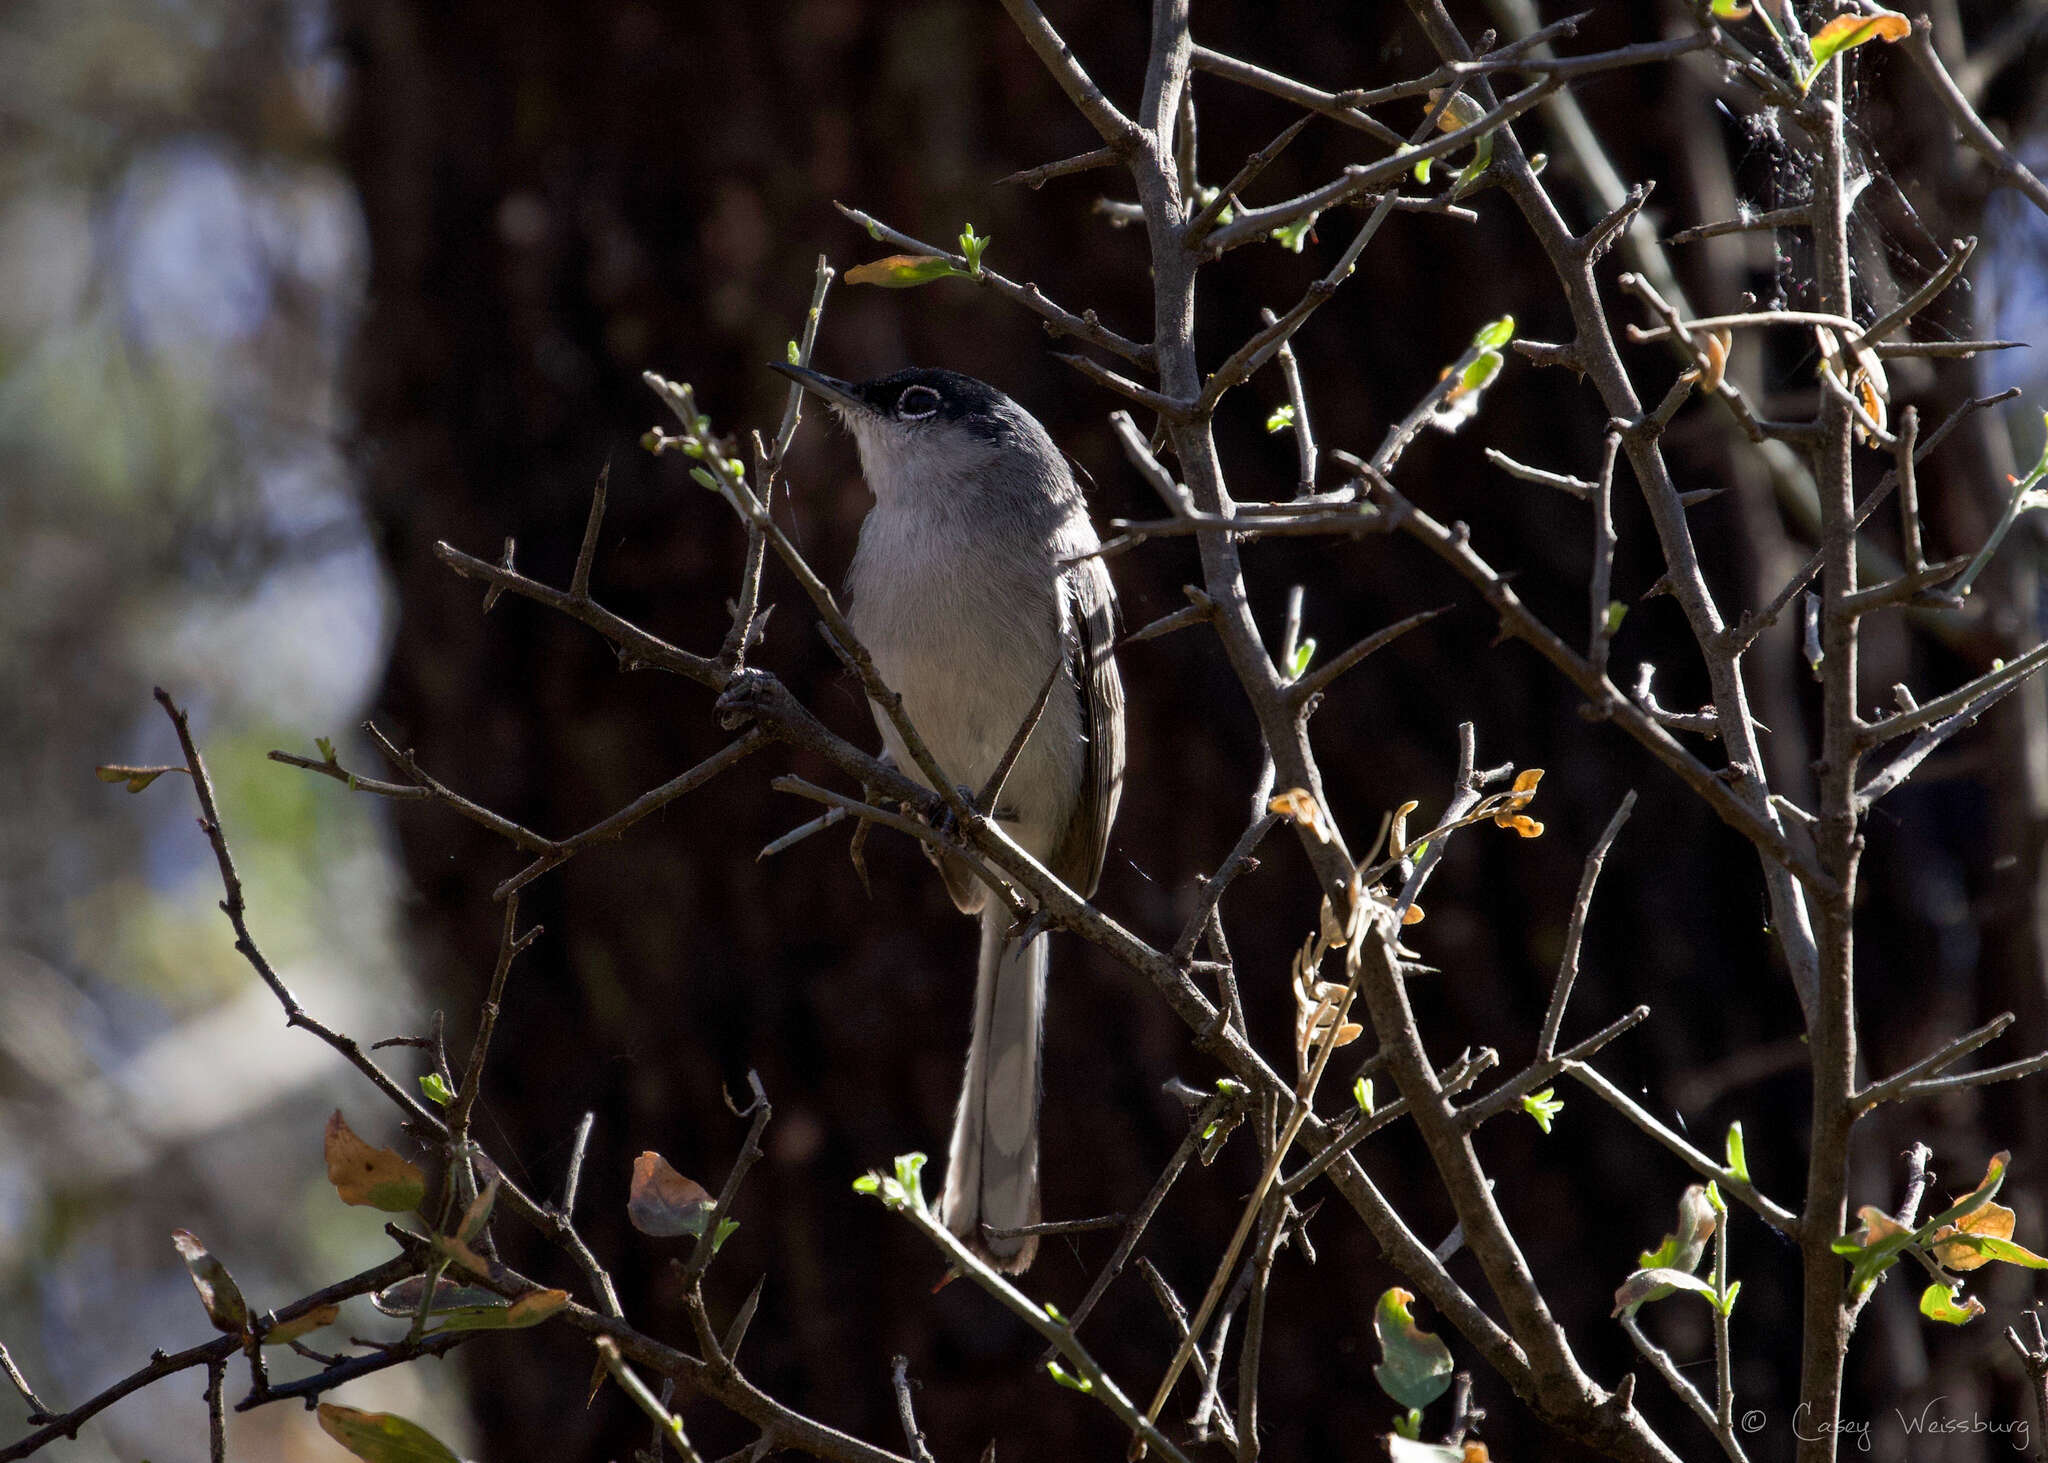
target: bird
974 588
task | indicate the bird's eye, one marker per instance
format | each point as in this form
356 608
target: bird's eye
916 403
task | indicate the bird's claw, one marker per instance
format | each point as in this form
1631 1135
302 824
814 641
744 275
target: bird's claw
744 697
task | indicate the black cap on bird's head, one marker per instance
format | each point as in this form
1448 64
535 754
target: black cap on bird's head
926 432
918 395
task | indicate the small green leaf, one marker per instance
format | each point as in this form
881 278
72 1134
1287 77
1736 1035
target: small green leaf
1282 417
972 247
1543 1106
1206 196
1409 1424
1727 1305
1361 1093
1482 158
1616 613
1479 375
326 747
910 1175
868 1183
382 1437
1067 1379
703 477
1738 1153
1938 1303
1417 1366
436 1090
1495 333
1293 236
1303 654
1730 10
723 1233
793 353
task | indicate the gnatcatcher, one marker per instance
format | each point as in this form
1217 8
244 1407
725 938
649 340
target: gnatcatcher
969 589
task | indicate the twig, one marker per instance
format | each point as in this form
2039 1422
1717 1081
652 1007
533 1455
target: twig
992 791
1797 217
1972 696
609 829
235 907
1564 482
1059 321
1568 963
908 1200
1304 434
1260 348
1198 1125
802 831
750 1152
899 1376
586 553
1775 1215
1743 635
1920 50
510 944
1058 1226
1600 620
1038 177
216 1411
1200 225
50 1427
2010 1071
1683 1389
2033 1361
1318 681
39 1412
1178 1314
667 1424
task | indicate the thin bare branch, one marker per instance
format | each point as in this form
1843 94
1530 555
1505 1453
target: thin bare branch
2011 171
1057 320
1038 177
1568 963
1119 131
1797 217
1777 1216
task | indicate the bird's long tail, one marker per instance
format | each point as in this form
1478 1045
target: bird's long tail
992 1169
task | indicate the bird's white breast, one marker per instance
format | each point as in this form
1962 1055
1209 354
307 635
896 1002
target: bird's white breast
967 640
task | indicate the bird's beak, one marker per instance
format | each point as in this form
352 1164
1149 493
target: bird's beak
829 388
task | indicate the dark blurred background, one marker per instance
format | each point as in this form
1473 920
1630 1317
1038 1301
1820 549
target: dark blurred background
318 286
